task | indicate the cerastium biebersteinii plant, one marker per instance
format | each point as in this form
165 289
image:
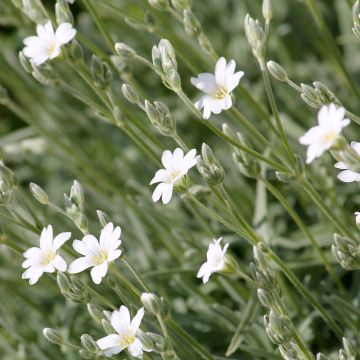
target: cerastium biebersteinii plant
220 141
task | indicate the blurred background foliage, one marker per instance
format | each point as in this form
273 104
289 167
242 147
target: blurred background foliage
51 138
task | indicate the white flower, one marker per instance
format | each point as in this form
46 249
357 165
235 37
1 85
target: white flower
97 254
71 1
216 260
217 87
45 258
348 175
176 166
357 217
126 334
47 44
321 137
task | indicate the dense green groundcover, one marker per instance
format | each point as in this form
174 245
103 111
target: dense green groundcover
291 296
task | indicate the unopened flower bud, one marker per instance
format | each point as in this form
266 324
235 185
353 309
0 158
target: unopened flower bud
107 326
25 62
347 252
86 354
88 343
156 57
63 13
53 336
255 36
191 24
209 167
63 282
104 218
168 56
277 71
75 52
101 72
349 349
321 356
152 303
160 4
125 51
167 124
34 10
173 80
77 194
284 176
278 328
95 312
356 18
267 10
39 194
130 94
46 75
151 112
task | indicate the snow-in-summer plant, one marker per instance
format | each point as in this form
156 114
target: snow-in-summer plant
97 254
89 106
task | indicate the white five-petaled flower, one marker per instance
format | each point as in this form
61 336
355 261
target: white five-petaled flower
322 137
176 166
45 258
215 260
126 334
348 175
47 44
97 254
217 87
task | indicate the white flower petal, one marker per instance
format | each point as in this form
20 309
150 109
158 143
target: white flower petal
220 71
46 238
64 33
32 252
340 165
136 321
81 248
167 159
135 349
356 146
348 176
110 341
60 239
33 273
120 320
80 265
158 192
205 82
114 254
59 263
167 193
91 243
160 176
98 272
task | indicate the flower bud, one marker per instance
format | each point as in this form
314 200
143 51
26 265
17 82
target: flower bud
173 80
168 56
167 124
39 194
86 354
349 349
130 94
89 344
347 252
160 4
356 18
278 328
152 303
209 167
152 113
277 71
53 336
107 326
63 282
46 75
181 4
158 342
284 176
63 13
255 36
156 57
75 52
25 62
101 72
34 10
125 51
104 218
321 356
95 312
191 24
77 194
267 10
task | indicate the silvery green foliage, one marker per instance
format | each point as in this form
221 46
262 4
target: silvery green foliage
106 101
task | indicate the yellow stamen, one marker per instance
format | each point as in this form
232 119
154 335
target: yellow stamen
51 49
221 93
101 257
128 339
330 136
48 257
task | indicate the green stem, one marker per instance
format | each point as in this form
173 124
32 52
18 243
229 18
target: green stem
136 275
302 346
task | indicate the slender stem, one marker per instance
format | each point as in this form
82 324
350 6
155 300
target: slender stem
136 275
302 346
275 112
100 24
165 332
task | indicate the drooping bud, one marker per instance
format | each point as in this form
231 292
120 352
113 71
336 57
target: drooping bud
39 194
167 124
277 71
53 336
167 55
75 52
95 312
89 343
130 94
104 218
255 36
152 303
278 328
46 75
125 51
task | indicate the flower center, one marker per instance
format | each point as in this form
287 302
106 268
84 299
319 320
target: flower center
101 257
330 136
51 49
175 174
221 93
128 339
47 257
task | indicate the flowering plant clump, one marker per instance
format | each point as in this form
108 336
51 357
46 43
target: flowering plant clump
110 110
